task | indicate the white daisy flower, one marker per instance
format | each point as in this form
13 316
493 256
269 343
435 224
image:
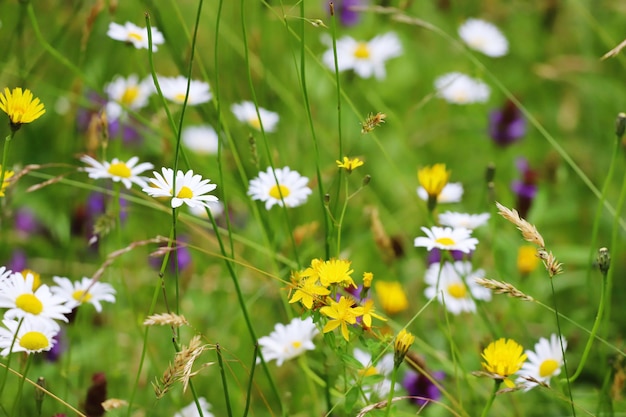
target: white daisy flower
135 35
458 88
4 274
190 189
246 112
384 367
127 93
367 59
30 335
17 295
287 183
542 364
203 140
192 409
451 193
484 37
288 341
126 172
447 238
454 284
215 207
468 221
175 89
84 291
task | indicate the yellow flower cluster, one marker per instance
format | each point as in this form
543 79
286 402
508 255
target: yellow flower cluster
316 285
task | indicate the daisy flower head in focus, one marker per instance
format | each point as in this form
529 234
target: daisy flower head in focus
18 296
367 59
288 341
202 140
191 189
452 192
175 89
278 186
192 409
468 221
484 37
127 93
245 112
21 106
30 335
135 35
383 367
125 172
543 363
83 291
447 238
454 284
458 88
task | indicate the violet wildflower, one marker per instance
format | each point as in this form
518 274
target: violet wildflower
434 255
526 188
420 388
347 15
25 222
18 260
507 124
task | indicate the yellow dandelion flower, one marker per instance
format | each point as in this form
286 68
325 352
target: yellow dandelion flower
5 180
403 342
433 179
503 358
21 106
367 279
349 164
336 271
391 296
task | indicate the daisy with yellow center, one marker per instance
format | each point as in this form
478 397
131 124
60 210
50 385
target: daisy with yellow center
454 284
458 88
125 172
543 363
349 164
135 35
484 37
279 187
382 368
447 238
83 291
127 94
36 277
28 335
503 358
18 296
367 59
20 106
246 112
341 314
288 341
391 296
191 189
175 89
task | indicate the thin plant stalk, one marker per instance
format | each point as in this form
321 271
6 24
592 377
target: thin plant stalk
20 387
394 375
496 386
224 381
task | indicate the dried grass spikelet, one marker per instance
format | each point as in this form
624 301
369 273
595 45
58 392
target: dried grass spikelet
180 370
529 232
372 122
113 403
381 238
553 266
500 287
166 319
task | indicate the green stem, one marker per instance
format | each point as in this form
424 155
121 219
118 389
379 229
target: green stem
558 326
341 217
223 376
8 365
255 355
5 152
496 386
20 387
394 375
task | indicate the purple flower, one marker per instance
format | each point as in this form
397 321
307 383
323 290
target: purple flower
421 388
506 125
60 346
25 222
17 261
526 188
348 16
434 256
183 256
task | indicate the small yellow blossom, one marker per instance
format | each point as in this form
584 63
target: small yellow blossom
367 279
391 296
349 164
368 313
5 181
341 314
503 358
336 271
433 179
527 260
403 342
20 106
307 290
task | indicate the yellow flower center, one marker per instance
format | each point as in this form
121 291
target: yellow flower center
81 296
29 303
461 97
362 51
296 344
548 367
119 169
34 341
255 122
457 290
369 371
130 95
279 190
135 36
180 97
446 241
185 192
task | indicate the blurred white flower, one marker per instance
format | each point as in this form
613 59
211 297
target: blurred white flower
127 93
84 291
447 238
192 409
458 88
468 221
367 59
288 341
135 35
383 367
246 112
30 335
451 193
202 140
175 89
484 37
